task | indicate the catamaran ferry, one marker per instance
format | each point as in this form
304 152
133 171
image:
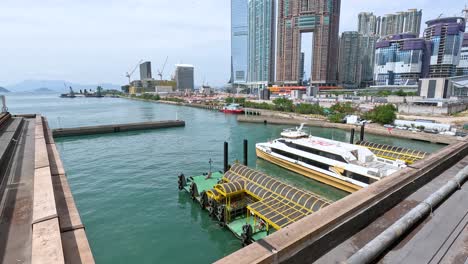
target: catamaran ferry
345 166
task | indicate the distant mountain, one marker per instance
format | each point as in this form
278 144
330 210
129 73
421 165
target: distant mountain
44 90
56 85
3 90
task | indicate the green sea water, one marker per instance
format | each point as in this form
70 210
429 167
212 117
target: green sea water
125 185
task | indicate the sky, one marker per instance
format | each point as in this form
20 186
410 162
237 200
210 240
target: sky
98 41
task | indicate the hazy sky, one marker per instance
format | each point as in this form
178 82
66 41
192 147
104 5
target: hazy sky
92 41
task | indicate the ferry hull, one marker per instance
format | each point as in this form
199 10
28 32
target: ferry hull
316 175
227 111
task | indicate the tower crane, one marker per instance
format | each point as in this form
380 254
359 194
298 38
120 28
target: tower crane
130 73
160 72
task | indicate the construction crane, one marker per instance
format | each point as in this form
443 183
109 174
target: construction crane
465 12
160 72
130 73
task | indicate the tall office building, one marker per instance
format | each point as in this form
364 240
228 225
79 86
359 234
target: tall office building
401 22
184 77
367 55
239 40
368 23
145 71
322 17
349 73
462 68
261 51
401 59
446 36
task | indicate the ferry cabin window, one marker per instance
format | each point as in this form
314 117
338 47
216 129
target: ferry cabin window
314 151
298 158
358 177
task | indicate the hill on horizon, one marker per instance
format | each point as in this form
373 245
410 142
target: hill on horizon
3 90
55 85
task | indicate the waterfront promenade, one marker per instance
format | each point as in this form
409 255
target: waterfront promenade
40 222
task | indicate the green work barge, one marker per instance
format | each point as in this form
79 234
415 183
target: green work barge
250 203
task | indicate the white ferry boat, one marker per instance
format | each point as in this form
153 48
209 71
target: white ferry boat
297 132
345 166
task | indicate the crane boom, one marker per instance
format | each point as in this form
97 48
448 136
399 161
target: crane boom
160 73
129 74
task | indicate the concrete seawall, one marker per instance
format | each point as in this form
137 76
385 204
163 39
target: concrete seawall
103 129
371 129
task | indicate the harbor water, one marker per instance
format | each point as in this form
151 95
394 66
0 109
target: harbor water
125 184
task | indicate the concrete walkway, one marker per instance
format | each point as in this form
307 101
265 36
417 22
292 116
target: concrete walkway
39 219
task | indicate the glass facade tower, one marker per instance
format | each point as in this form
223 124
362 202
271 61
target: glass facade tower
239 40
446 36
401 59
261 51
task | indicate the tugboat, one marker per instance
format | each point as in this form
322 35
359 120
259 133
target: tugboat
233 109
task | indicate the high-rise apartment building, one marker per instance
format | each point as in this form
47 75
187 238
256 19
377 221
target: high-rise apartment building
462 68
296 17
366 56
368 23
145 71
239 40
446 36
413 19
184 77
349 72
401 59
261 44
401 22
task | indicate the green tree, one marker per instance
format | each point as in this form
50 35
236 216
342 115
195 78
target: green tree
229 100
309 109
336 117
283 104
343 108
383 114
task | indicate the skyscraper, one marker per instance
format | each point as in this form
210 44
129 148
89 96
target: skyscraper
413 21
446 36
366 56
462 68
261 51
296 17
184 77
401 22
368 23
401 59
145 70
239 40
349 66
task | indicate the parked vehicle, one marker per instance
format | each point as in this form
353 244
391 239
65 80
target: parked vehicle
389 126
401 127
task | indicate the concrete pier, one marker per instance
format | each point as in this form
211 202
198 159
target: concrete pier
420 136
40 222
103 129
334 233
